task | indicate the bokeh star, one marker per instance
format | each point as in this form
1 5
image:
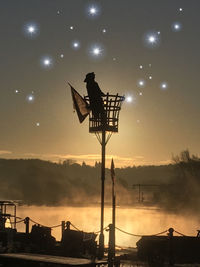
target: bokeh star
31 29
152 39
46 62
176 26
30 98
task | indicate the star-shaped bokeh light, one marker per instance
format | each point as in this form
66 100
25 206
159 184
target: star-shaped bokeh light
30 98
93 11
31 29
152 39
176 26
96 51
46 62
75 45
164 86
141 83
129 99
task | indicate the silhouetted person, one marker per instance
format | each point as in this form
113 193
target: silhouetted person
95 96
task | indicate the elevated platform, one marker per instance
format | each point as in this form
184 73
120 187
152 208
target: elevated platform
112 106
16 258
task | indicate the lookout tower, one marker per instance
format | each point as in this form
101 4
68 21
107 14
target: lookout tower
103 127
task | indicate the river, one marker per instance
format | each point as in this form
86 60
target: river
140 221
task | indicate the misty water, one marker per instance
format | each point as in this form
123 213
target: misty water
144 221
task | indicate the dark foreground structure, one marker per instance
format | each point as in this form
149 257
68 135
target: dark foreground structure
171 250
21 259
77 248
38 246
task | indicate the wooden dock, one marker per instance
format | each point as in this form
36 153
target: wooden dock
16 258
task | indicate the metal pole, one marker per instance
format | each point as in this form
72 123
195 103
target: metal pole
111 246
15 215
113 215
68 223
103 151
26 221
139 200
171 255
62 228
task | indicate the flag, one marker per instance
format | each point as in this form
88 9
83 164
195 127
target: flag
112 171
80 105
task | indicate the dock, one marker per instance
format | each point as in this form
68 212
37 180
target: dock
16 258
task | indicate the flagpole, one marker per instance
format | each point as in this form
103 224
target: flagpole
111 250
113 216
113 206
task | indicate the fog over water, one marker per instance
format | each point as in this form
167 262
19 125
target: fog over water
144 221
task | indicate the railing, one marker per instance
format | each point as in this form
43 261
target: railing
108 121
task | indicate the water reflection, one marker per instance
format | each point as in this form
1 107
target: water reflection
137 221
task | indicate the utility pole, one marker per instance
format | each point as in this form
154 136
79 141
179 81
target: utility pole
140 193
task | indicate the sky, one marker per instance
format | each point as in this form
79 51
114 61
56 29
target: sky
147 50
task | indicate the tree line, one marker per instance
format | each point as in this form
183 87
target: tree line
38 182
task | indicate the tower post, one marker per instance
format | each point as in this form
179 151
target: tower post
103 121
103 154
103 127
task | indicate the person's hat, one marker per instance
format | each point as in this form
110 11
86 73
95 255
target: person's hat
89 76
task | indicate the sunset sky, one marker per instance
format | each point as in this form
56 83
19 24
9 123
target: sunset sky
147 50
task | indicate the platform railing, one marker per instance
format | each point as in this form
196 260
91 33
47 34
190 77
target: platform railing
112 106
